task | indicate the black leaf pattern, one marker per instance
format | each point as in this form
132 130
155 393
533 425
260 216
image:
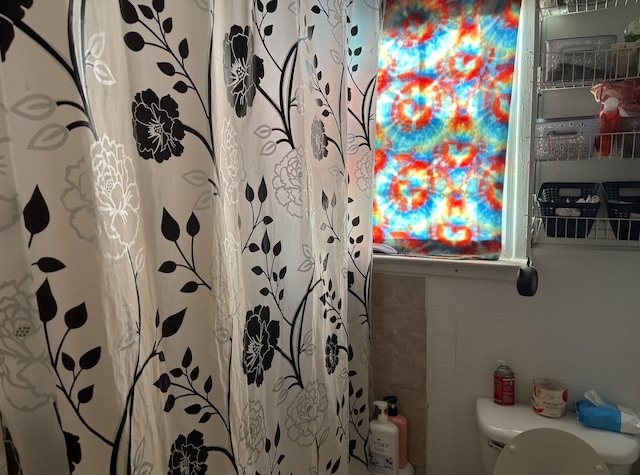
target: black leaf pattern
163 382
193 409
173 323
68 362
205 417
10 12
158 5
272 6
183 48
134 41
248 193
195 372
49 264
128 12
167 267
167 68
193 225
171 401
325 201
262 191
170 227
76 317
36 214
187 358
167 25
85 395
181 87
47 306
266 243
90 358
208 385
189 287
146 11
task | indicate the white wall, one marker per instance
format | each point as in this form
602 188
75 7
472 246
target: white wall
582 328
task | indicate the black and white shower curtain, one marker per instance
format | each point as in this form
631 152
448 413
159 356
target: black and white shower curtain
185 249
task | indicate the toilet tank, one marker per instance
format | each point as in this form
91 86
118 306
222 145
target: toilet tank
499 424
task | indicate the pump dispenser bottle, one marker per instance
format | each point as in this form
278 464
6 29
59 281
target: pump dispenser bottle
401 422
383 444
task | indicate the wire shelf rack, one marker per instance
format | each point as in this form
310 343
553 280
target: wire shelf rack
568 144
572 65
587 231
566 7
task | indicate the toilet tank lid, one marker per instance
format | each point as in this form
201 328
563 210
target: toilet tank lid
502 423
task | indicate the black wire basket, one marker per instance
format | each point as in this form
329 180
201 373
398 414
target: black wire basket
562 215
623 208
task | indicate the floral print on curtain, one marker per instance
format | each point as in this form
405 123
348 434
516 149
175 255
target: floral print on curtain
185 225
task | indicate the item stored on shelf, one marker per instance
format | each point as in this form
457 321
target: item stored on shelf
623 208
632 35
625 59
574 202
627 92
629 137
566 139
608 122
570 60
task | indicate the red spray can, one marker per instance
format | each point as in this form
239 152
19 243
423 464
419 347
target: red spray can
504 385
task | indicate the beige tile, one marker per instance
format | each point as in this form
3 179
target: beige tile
398 375
399 336
398 291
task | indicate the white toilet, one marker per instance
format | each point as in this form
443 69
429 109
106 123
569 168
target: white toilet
517 441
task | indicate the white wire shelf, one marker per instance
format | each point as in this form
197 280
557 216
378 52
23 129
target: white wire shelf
606 232
570 144
578 63
567 7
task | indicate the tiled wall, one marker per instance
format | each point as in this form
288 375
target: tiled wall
398 353
582 328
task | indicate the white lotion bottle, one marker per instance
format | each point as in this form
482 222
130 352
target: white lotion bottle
384 451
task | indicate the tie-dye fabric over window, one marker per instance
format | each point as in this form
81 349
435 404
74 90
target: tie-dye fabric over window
445 80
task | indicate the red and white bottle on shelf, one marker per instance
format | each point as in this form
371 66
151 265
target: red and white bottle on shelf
504 385
608 122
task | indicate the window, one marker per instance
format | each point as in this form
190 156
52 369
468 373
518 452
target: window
445 85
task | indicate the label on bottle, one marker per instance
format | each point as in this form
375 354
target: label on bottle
504 389
380 457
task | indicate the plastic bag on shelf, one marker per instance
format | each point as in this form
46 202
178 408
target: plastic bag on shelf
627 92
596 412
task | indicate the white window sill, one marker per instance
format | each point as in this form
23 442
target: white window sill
503 270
